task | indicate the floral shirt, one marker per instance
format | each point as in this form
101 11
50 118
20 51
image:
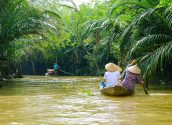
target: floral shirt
130 80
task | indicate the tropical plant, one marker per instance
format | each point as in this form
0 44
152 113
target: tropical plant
149 36
18 18
155 48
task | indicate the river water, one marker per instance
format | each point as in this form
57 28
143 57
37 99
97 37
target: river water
39 100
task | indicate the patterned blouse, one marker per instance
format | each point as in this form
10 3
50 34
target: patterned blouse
130 80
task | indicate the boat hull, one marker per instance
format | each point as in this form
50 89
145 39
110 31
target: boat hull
116 91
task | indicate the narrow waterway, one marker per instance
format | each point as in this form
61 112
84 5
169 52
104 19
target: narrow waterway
38 100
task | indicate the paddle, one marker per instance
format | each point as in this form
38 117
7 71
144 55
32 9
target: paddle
66 72
144 88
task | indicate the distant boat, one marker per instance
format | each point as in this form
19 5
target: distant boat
116 91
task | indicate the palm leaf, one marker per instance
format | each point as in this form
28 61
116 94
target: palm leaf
125 42
125 3
158 58
169 20
149 43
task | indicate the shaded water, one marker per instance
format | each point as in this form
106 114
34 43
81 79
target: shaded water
36 100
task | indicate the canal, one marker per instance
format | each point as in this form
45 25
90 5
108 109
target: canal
40 100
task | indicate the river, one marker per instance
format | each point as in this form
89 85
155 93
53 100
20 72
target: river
40 100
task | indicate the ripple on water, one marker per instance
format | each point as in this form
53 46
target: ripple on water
66 100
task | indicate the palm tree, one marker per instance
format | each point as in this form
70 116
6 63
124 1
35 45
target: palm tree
18 18
101 39
128 10
149 37
155 47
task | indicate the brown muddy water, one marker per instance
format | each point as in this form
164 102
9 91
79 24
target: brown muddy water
40 100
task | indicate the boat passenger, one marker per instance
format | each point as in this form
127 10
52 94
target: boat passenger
56 68
112 76
132 77
133 62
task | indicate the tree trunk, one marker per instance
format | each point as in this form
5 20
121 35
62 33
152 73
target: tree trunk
56 60
33 67
4 67
98 69
0 76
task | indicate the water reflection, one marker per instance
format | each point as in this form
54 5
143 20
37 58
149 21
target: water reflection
65 100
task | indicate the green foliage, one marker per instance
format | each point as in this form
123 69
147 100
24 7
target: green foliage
18 18
165 3
156 48
149 39
82 39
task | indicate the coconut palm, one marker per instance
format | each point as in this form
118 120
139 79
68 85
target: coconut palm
101 39
149 37
129 9
155 48
18 18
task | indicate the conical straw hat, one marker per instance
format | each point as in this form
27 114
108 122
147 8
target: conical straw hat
111 67
134 69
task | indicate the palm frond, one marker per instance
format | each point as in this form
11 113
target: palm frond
149 43
125 42
157 58
52 13
18 18
91 26
125 3
169 20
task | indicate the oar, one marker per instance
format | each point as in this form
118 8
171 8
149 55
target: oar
66 72
144 88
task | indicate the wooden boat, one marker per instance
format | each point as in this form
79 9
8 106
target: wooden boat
116 91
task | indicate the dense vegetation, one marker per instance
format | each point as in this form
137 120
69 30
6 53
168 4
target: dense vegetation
82 39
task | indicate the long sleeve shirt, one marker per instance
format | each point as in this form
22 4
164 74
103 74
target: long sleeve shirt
130 80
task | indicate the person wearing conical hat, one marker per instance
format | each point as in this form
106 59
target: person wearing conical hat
132 77
111 76
133 62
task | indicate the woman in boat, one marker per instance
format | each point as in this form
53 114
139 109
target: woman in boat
133 62
112 76
132 77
